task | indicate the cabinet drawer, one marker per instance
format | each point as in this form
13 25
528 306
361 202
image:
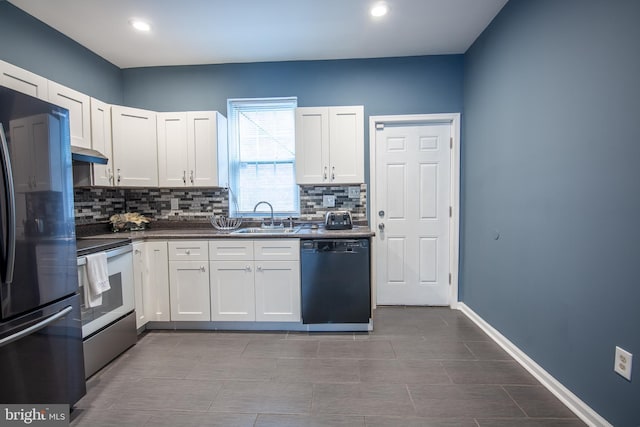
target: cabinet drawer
231 250
188 250
277 249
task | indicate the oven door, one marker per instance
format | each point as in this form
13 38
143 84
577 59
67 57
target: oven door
117 301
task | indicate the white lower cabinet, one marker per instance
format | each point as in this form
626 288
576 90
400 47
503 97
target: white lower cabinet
277 291
232 291
255 280
151 281
189 280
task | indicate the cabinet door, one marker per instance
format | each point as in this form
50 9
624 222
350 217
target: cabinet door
189 290
202 137
346 145
312 145
78 105
23 81
172 150
232 291
101 141
157 306
135 150
139 278
277 287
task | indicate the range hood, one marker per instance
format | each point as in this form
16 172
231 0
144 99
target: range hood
88 155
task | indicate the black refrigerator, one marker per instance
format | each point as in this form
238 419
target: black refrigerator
41 360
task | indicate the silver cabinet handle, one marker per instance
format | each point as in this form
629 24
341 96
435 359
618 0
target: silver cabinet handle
202 268
184 177
34 328
188 251
381 226
119 177
324 175
259 268
333 173
191 177
247 268
110 176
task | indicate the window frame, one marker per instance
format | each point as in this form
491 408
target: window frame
234 106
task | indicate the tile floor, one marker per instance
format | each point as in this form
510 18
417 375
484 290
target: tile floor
420 367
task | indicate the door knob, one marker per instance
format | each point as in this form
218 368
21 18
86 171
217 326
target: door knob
381 226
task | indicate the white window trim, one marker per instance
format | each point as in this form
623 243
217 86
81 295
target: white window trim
233 154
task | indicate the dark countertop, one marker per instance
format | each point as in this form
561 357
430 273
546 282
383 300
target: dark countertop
197 232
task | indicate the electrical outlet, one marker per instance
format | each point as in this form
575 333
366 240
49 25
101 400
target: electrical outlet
328 201
354 192
623 363
174 204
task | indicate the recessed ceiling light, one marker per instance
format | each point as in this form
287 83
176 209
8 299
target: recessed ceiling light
140 25
379 9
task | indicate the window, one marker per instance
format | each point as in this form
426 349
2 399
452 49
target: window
262 156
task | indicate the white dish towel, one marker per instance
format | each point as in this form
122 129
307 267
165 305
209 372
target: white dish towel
98 278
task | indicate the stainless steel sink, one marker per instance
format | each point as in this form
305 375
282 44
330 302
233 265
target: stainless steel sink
258 230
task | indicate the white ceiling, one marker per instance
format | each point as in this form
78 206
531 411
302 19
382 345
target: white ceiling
228 31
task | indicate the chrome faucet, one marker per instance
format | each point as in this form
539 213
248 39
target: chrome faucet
270 207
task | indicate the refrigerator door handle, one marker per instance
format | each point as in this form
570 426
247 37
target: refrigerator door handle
35 328
11 208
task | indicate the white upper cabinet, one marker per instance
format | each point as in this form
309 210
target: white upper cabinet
172 149
78 105
188 145
330 145
23 81
101 141
135 150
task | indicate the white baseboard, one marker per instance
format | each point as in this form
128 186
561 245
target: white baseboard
570 400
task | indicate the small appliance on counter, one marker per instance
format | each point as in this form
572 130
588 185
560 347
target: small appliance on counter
338 220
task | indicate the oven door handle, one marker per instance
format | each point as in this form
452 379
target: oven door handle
35 328
110 254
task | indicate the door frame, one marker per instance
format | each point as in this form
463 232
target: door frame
453 119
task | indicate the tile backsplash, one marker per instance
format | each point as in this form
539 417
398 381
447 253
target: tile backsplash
97 204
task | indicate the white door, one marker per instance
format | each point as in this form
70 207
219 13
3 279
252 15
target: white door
412 213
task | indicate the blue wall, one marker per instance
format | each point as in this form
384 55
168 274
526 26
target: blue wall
426 84
551 162
30 44
413 85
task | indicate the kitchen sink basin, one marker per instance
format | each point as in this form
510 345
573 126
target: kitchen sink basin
258 230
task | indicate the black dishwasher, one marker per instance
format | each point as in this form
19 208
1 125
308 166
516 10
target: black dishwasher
335 281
